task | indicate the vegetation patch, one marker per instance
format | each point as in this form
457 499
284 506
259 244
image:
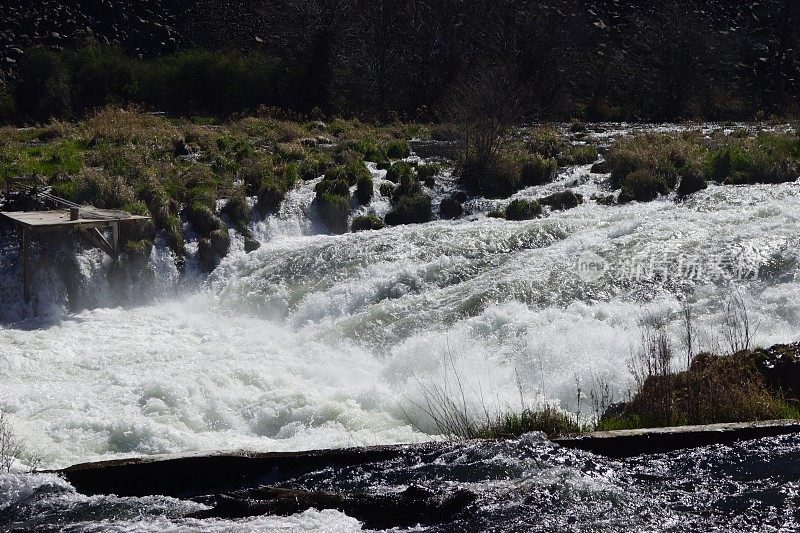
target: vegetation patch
521 209
366 223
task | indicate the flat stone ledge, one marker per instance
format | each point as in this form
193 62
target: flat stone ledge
632 442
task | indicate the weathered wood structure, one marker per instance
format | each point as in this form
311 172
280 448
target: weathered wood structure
88 222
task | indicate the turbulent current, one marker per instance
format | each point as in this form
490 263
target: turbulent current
317 341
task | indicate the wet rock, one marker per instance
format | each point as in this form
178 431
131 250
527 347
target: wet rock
205 255
251 245
562 200
220 242
413 506
366 223
601 168
364 190
450 208
691 182
138 252
607 199
269 200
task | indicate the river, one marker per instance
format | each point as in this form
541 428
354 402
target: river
318 341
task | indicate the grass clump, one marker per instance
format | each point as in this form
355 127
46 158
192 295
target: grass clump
364 190
549 420
400 171
521 209
642 186
367 223
412 208
538 170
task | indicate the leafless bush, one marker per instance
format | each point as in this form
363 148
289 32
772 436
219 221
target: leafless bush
737 329
652 365
11 447
600 395
689 336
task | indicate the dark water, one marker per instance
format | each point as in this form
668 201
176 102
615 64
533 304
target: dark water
521 485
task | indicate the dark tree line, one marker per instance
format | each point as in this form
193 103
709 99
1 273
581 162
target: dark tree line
596 59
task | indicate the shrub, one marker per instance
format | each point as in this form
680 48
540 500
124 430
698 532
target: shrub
400 171
44 86
387 189
203 219
666 156
364 190
366 223
547 143
582 154
715 389
411 209
642 186
7 105
338 187
521 209
349 173
427 173
397 149
498 178
290 151
538 170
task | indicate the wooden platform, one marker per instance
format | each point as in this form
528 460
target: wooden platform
46 223
41 221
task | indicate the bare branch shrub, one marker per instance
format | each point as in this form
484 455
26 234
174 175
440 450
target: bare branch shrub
737 329
11 447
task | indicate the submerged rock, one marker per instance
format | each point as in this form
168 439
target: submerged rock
415 505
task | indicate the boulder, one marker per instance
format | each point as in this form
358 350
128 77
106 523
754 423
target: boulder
205 255
364 190
450 208
562 200
410 209
220 242
366 223
251 245
691 182
602 167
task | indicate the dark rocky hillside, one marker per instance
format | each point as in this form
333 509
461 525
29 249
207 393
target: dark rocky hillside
602 59
141 27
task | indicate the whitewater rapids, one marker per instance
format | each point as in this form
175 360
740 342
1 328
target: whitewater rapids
318 341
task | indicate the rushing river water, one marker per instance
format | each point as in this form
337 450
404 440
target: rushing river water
317 341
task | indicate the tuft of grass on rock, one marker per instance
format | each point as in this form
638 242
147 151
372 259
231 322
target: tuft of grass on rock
521 209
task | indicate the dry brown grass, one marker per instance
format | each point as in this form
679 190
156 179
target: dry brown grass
128 125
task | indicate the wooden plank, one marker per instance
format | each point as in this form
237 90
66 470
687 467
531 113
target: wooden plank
40 220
